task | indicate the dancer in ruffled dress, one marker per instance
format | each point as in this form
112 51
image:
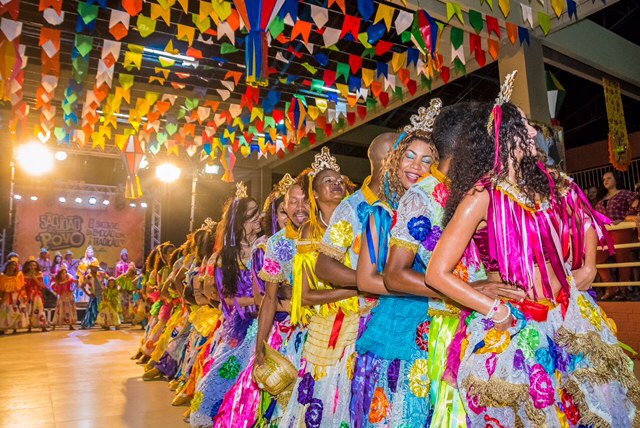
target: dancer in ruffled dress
128 284
551 359
65 312
241 404
110 307
13 301
323 390
33 287
236 234
92 286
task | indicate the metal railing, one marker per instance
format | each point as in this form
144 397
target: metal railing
625 225
593 177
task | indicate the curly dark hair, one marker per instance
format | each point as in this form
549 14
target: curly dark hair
475 156
392 162
160 262
25 266
151 260
207 245
230 256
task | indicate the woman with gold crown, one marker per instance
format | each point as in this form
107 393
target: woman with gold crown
323 389
237 232
241 403
381 396
552 358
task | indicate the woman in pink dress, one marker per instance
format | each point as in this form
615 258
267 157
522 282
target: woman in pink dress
33 286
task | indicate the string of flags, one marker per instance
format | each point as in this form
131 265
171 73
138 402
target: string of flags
296 84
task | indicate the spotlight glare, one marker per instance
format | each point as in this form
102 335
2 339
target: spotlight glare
211 169
62 199
34 198
167 172
143 204
60 155
132 205
34 158
78 200
92 200
105 202
17 197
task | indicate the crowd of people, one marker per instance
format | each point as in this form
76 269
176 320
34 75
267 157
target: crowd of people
112 297
452 289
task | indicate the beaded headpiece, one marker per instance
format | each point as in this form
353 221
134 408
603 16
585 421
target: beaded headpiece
324 160
241 190
278 191
495 119
209 225
426 117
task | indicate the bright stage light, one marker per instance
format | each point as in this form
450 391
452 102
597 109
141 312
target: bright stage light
105 202
211 169
34 198
62 199
92 200
143 204
167 172
17 197
132 205
78 200
60 155
34 158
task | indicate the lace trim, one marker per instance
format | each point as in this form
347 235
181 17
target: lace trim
331 251
276 279
401 243
499 393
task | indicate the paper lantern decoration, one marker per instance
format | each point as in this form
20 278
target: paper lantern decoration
257 15
132 154
555 95
296 119
228 161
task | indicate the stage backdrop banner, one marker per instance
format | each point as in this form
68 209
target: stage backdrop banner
58 227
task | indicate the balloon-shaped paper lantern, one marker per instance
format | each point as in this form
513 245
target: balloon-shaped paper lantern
295 121
132 154
257 16
228 161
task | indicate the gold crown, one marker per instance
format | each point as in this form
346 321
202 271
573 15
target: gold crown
283 185
324 160
209 225
504 96
425 118
241 190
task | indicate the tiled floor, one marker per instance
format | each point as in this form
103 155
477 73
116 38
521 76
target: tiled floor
79 379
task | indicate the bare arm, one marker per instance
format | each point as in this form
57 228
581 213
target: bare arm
334 272
585 276
400 278
319 297
450 249
369 280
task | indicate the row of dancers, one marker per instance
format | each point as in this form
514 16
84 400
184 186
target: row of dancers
451 290
112 301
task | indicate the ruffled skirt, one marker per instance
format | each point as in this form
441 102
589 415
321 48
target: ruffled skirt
128 306
391 383
35 310
549 369
229 358
13 311
108 316
65 313
241 405
322 392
